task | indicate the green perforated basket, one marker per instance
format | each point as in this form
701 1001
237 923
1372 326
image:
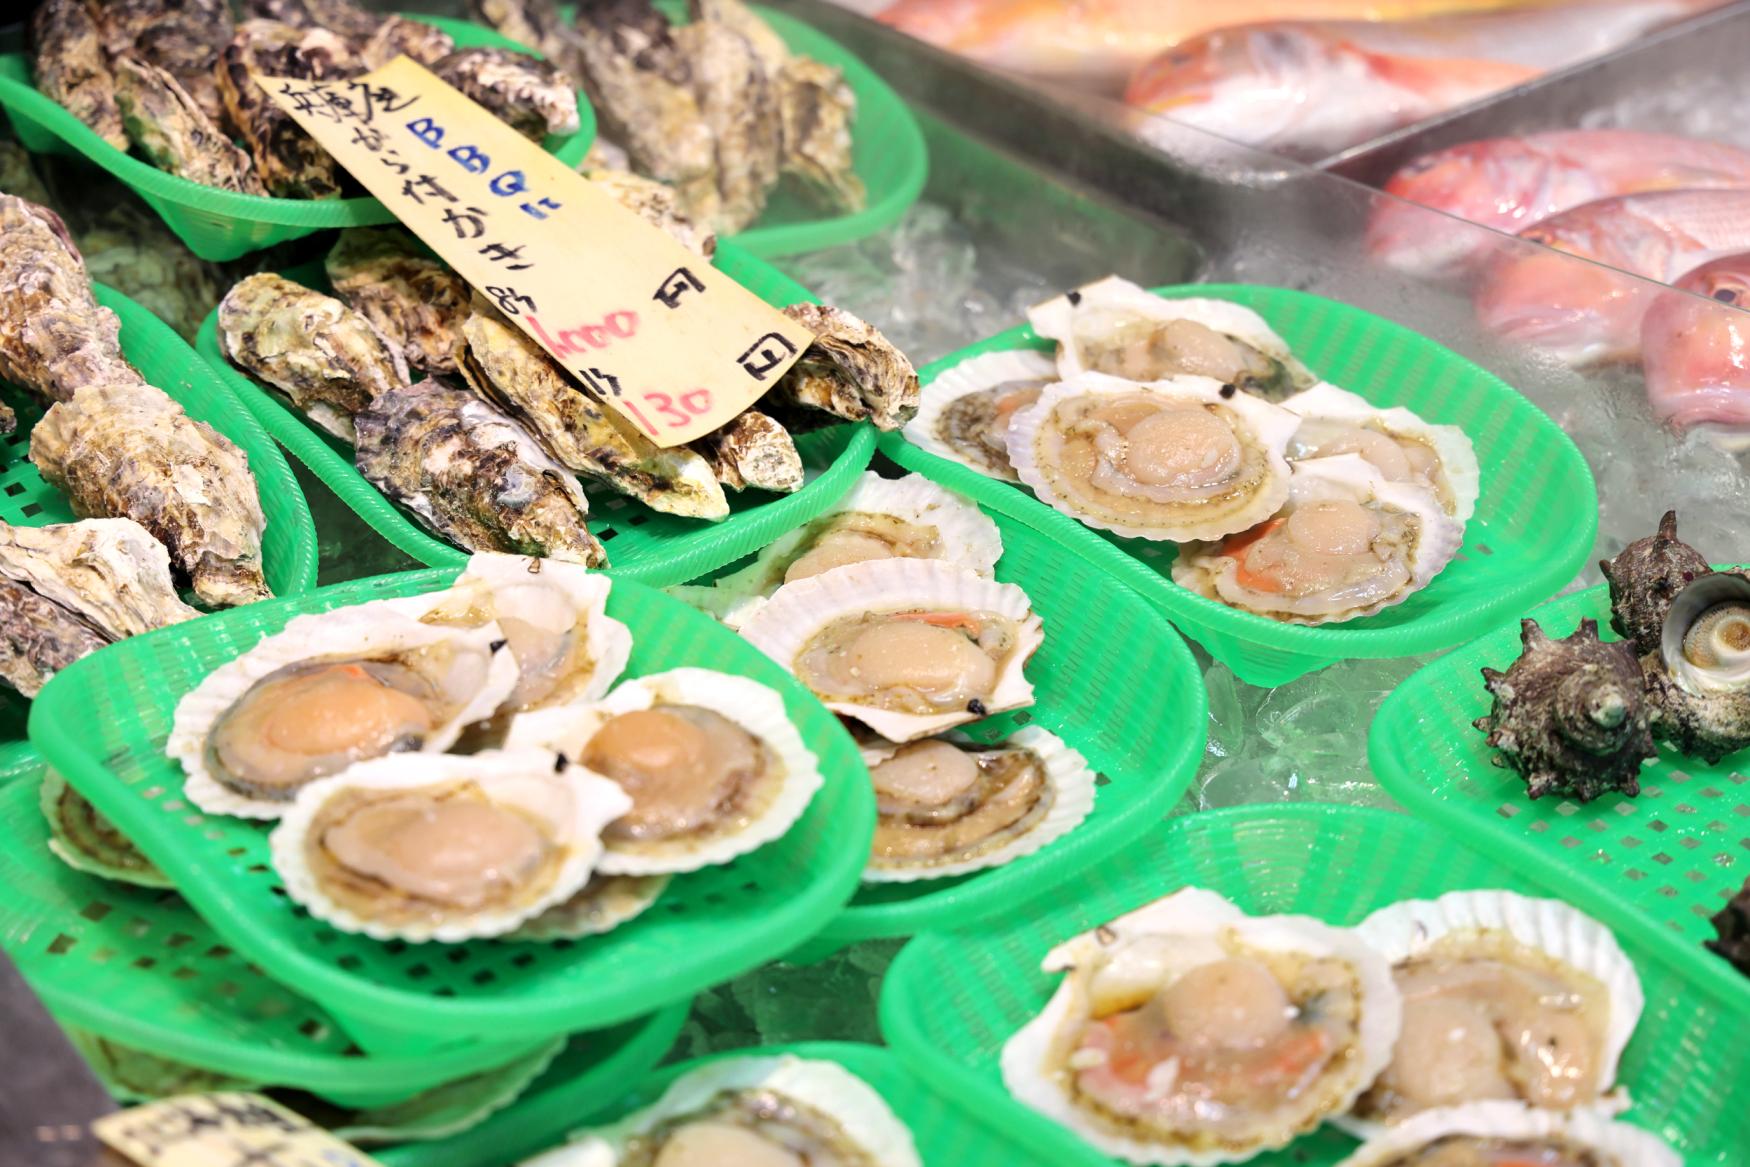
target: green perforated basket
950 1002
221 224
137 966
1534 526
1663 861
103 723
641 543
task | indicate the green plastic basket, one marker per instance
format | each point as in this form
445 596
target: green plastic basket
1533 529
950 1002
1141 725
642 544
1657 866
218 224
103 723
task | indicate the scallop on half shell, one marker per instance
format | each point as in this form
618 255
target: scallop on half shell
908 647
712 764
1505 998
330 690
1507 1134
1180 459
1399 444
1189 1033
964 413
1349 543
446 847
772 1111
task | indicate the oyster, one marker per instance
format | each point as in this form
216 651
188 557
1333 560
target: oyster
965 412
1504 997
711 761
1644 578
342 17
1187 1032
1732 930
397 35
1183 459
289 162
132 251
1507 1134
657 205
182 37
174 134
413 299
908 647
111 572
850 370
537 24
953 805
754 451
8 419
1115 327
83 839
1698 680
818 108
69 65
508 369
531 96
443 847
1569 715
739 105
773 1111
604 903
39 638
1349 544
129 450
1399 444
18 175
327 691
472 474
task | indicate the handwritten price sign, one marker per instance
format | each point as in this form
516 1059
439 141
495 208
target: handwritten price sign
223 1130
640 321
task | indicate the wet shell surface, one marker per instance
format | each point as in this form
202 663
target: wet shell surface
85 840
782 1110
329 690
1208 1004
1645 577
965 412
1180 459
111 572
1398 443
603 904
952 805
443 847
908 647
1507 1134
1505 997
712 763
1350 543
1698 682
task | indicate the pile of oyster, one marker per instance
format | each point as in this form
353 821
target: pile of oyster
717 109
488 449
176 80
1190 421
576 798
1482 1027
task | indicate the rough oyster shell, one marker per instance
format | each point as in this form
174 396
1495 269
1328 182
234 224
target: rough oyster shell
818 108
1242 441
1569 715
467 669
786 625
1132 958
1609 1144
753 707
655 203
288 161
963 418
1069 781
850 370
343 17
397 35
1453 476
739 105
112 572
603 904
1644 578
19 177
473 475
412 299
538 24
754 451
39 638
129 450
69 65
83 839
1698 681
569 808
175 134
531 96
182 37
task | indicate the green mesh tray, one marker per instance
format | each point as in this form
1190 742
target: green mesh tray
641 543
1657 865
103 722
220 224
1533 529
950 1002
138 966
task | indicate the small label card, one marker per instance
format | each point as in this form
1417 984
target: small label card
223 1130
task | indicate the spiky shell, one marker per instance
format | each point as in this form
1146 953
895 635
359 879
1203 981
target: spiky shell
1644 578
1569 715
1613 1144
1732 930
1702 709
936 430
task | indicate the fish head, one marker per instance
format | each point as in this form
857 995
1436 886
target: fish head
1695 346
1577 312
1491 183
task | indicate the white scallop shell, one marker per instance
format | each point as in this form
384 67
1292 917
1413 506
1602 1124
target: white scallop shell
1271 429
749 704
1451 445
1567 935
972 376
451 1108
797 611
598 913
1620 1144
1694 600
48 800
1192 921
1067 773
570 801
353 632
1120 301
825 1087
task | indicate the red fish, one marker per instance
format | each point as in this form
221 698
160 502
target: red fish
1696 347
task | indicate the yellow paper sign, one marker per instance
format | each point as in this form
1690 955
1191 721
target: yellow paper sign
223 1130
643 323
